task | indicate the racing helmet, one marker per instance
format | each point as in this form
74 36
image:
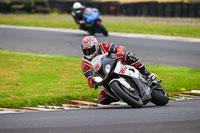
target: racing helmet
77 7
89 46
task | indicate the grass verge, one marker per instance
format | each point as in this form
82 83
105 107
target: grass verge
61 21
35 79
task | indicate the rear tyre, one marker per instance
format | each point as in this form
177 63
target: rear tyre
131 99
159 96
103 29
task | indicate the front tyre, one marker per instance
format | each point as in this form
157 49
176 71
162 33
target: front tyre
159 96
131 99
103 29
91 31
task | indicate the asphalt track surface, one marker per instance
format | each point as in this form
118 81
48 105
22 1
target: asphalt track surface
150 51
176 117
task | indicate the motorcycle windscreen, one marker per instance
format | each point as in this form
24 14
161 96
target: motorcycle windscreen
96 61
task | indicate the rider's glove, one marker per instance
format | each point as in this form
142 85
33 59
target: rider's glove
152 76
90 84
121 51
82 21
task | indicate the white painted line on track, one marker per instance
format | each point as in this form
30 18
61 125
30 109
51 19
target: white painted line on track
42 29
6 112
195 91
156 37
129 35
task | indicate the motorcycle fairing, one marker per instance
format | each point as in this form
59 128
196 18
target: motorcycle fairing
144 89
90 15
126 70
134 74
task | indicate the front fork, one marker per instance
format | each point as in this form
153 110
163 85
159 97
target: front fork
124 83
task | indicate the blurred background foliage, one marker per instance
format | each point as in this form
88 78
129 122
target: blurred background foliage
121 1
157 8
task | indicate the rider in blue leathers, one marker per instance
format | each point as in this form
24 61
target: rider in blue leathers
77 13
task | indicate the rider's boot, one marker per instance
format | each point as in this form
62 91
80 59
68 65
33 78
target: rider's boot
104 98
143 70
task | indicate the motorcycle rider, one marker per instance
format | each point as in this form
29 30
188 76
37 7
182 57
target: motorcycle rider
77 12
91 48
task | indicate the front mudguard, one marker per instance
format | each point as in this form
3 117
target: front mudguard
132 100
121 81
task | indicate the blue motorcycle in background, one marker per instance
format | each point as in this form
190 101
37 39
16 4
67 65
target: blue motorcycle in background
93 22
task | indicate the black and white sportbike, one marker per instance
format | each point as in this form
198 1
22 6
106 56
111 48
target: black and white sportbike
124 82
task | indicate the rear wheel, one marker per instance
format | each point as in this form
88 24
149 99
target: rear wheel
131 98
159 96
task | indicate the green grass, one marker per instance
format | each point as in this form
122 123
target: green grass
34 79
38 21
176 78
62 21
31 80
152 28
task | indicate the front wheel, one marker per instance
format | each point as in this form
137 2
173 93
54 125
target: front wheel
103 29
159 96
131 98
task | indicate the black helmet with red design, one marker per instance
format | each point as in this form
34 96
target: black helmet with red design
89 46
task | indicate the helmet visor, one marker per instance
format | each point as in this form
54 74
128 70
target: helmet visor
89 51
78 10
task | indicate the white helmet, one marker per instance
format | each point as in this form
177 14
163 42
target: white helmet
77 7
